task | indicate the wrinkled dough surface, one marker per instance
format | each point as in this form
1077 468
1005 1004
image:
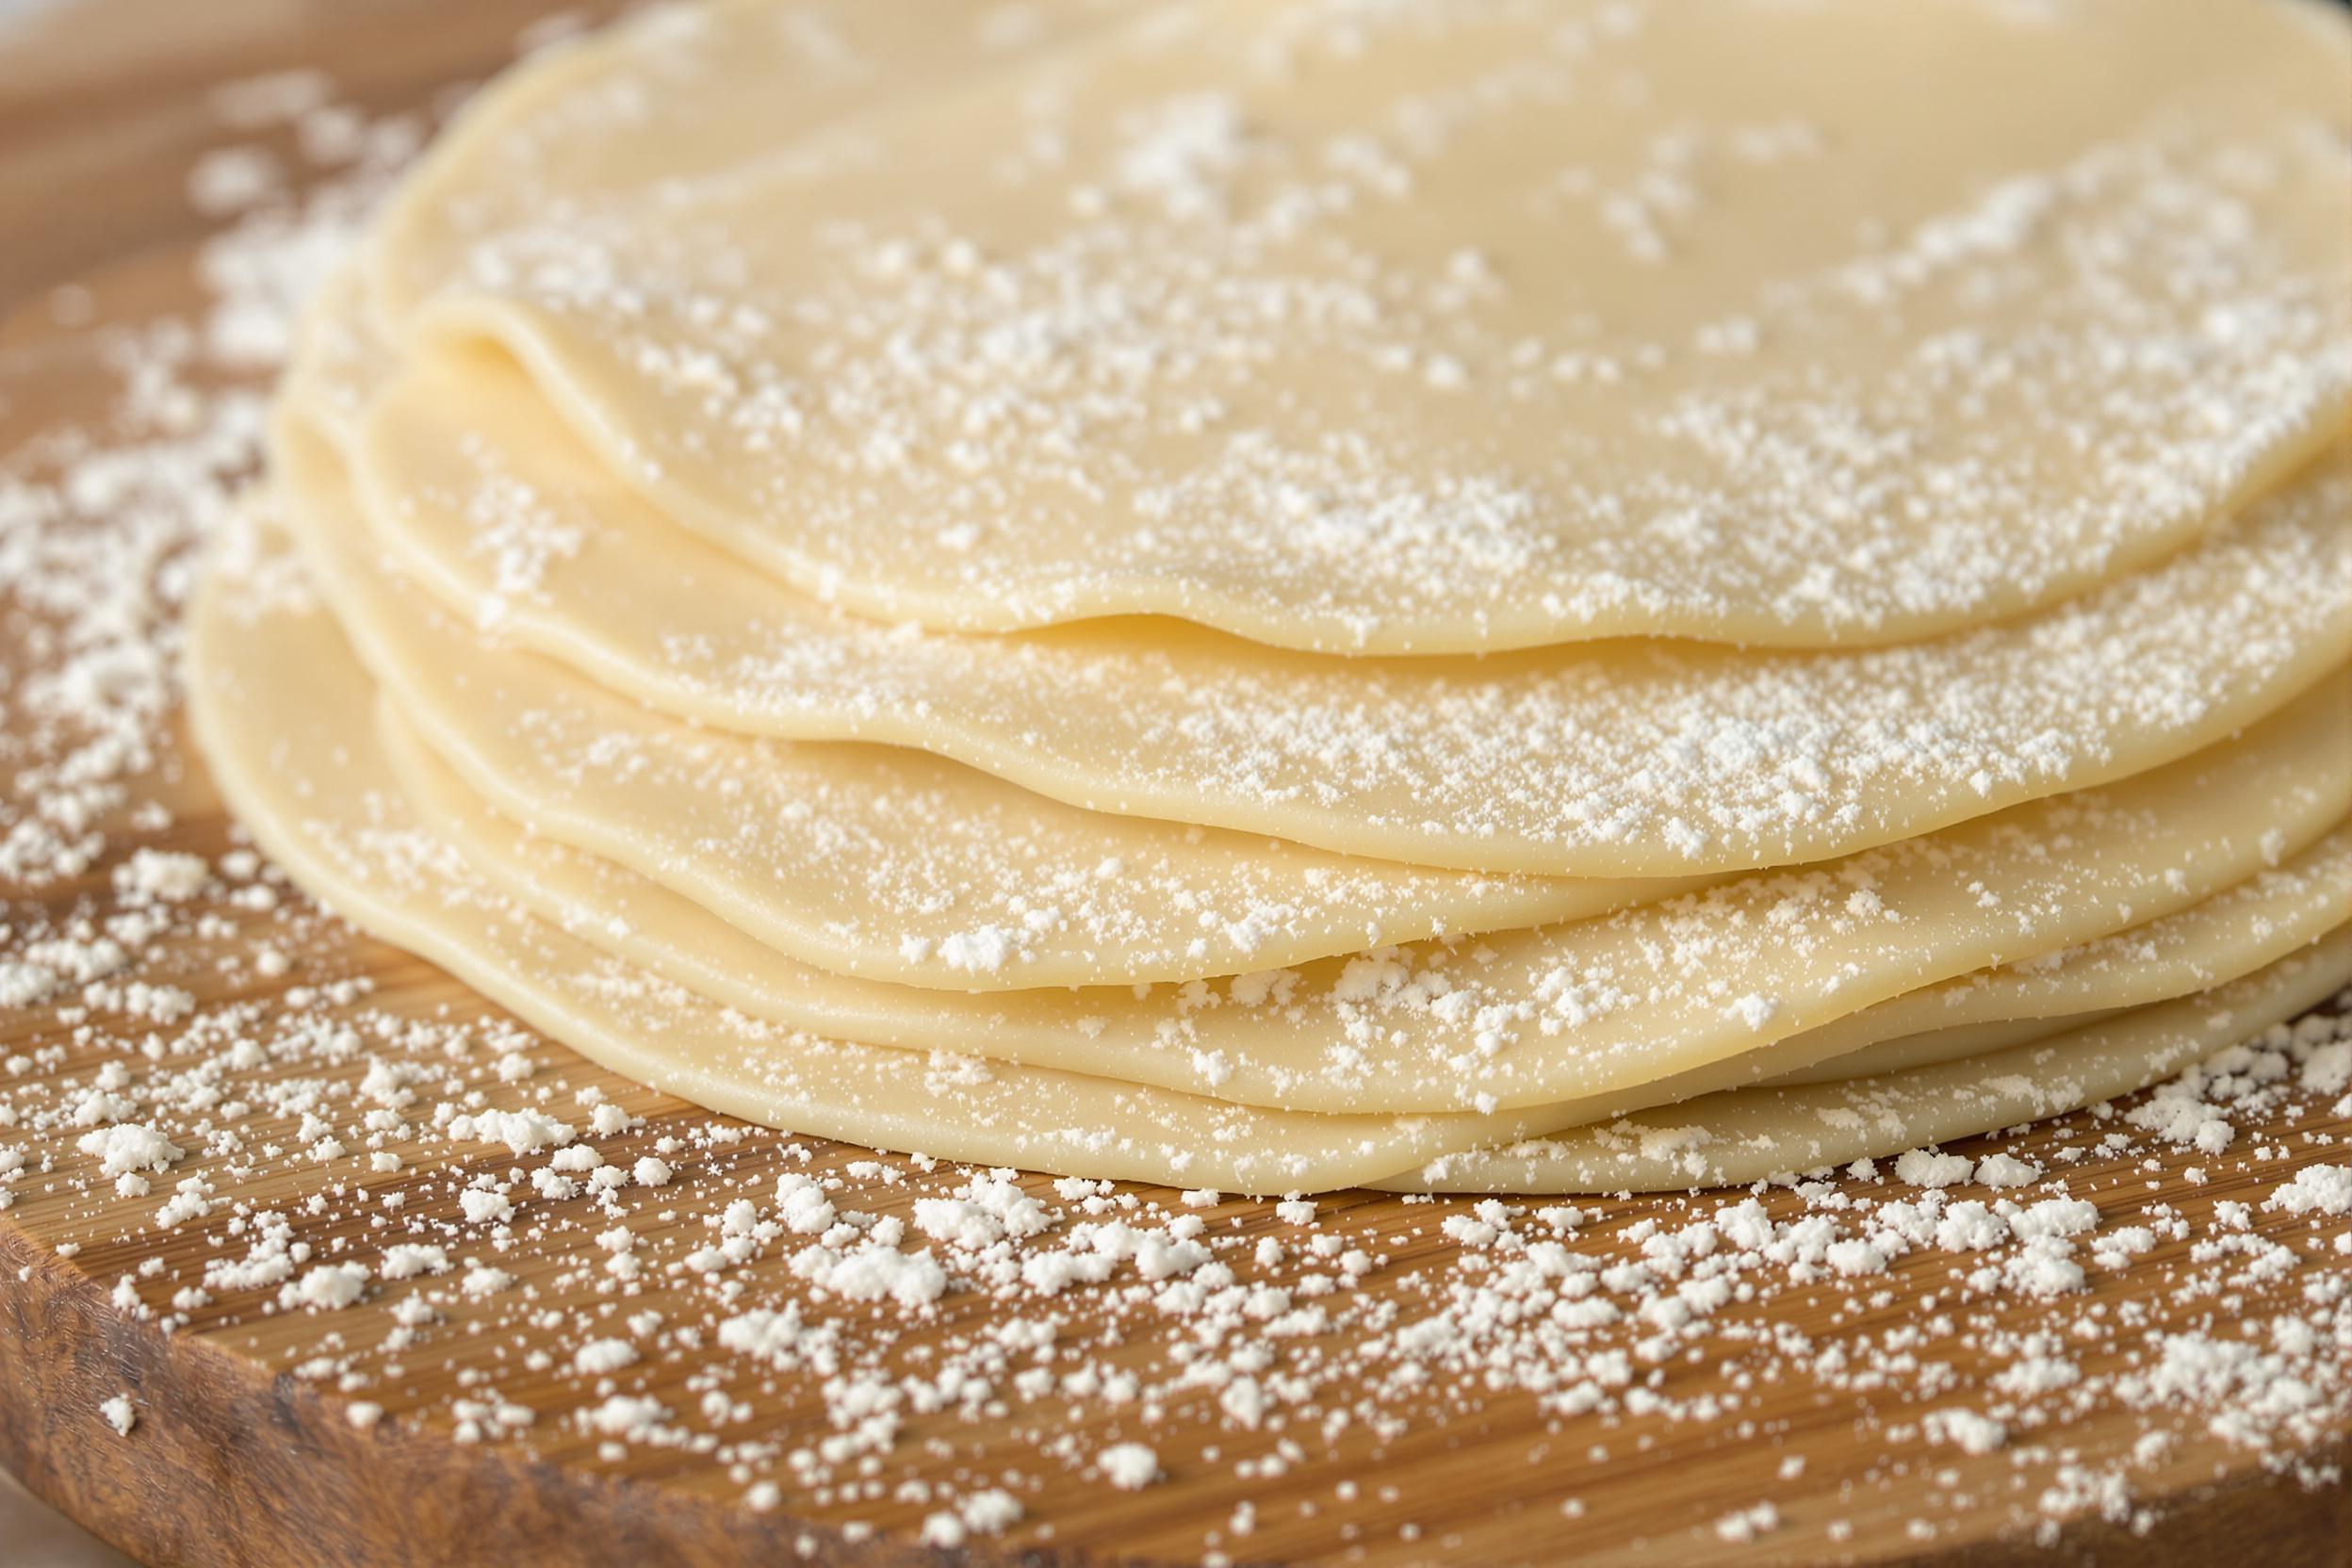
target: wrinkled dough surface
1233 312
1631 757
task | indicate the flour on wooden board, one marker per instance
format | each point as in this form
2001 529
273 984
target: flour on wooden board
1277 1329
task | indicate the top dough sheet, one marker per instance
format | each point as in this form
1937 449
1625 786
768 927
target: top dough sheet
1422 327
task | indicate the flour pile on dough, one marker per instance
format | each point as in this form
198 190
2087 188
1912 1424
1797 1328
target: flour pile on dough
1515 593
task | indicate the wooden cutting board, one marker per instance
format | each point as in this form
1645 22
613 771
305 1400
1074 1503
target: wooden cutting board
245 1450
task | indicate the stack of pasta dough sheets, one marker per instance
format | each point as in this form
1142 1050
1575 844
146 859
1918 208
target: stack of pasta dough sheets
1473 595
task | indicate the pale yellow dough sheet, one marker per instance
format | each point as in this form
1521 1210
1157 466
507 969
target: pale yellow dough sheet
279 706
866 859
1424 1028
1951 1044
633 106
1541 594
1273 1039
1624 759
2254 924
1439 327
278 703
1755 1134
510 728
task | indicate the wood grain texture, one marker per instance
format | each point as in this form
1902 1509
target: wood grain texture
244 1452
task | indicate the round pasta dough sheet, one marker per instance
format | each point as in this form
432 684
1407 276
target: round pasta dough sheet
1755 1134
1950 1044
631 919
279 705
1635 758
1234 315
2256 923
1214 313
2248 926
1499 1020
1154 1039
318 798
866 859
676 92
